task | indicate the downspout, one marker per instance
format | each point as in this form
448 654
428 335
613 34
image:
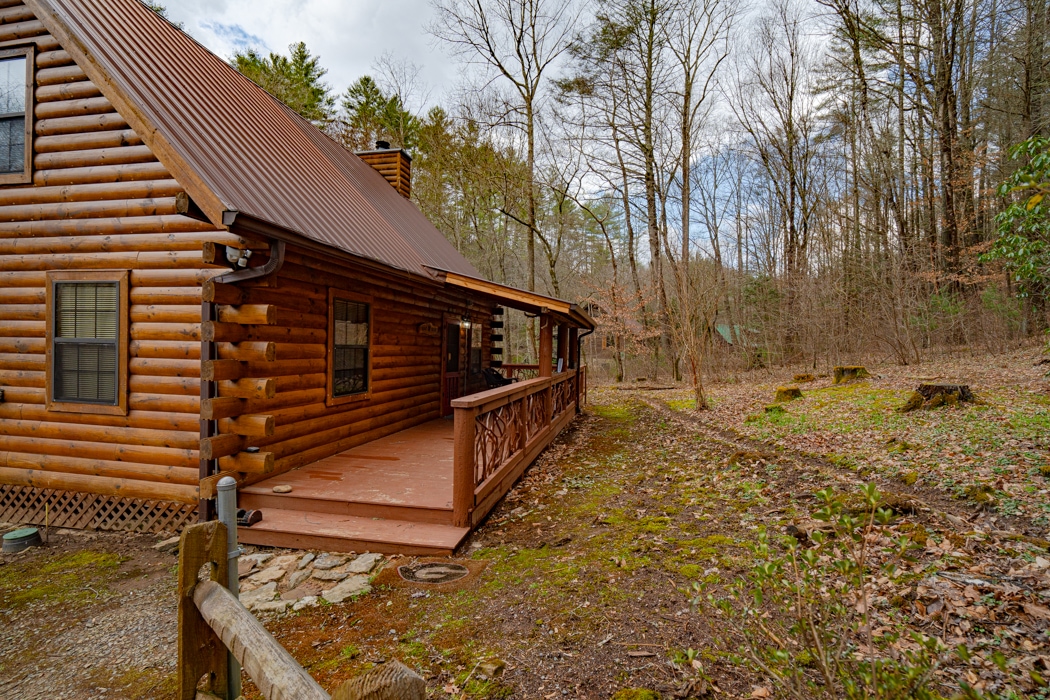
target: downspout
579 364
209 467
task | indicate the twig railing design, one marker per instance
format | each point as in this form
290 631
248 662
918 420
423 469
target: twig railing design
499 432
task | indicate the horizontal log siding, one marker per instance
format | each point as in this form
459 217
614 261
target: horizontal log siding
100 200
406 364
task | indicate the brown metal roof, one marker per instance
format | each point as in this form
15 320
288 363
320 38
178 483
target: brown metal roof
233 146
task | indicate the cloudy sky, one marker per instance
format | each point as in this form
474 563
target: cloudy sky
349 35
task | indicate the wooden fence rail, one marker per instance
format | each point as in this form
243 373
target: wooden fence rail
212 620
499 432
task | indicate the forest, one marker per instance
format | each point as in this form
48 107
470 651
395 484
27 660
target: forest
730 186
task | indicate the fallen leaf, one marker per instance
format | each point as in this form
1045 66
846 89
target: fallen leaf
761 692
1037 611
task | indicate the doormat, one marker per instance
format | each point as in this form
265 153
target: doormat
431 573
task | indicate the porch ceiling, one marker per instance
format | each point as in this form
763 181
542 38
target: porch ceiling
530 302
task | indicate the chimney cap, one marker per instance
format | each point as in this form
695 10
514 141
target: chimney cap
382 145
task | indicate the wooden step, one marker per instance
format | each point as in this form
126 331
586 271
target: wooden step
337 504
349 533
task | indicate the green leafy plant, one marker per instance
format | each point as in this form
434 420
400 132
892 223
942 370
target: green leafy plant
804 612
1023 244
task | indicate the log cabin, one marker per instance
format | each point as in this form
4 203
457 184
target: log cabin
195 282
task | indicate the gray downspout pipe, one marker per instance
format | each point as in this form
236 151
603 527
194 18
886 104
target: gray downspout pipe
209 312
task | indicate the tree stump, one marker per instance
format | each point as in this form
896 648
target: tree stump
848 373
951 393
803 378
787 393
914 403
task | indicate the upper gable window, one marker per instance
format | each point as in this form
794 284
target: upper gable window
16 115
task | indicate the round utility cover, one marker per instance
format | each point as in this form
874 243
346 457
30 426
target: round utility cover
433 572
21 539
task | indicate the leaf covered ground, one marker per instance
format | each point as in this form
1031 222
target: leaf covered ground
583 579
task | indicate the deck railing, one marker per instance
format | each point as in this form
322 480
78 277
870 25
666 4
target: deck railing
499 432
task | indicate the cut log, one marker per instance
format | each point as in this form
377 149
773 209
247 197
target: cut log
390 681
787 393
850 372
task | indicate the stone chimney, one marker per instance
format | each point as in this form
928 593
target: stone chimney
394 164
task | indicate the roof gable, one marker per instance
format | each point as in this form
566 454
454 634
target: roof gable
233 146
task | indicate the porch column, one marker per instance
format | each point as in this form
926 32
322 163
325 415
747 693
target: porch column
563 345
574 348
546 345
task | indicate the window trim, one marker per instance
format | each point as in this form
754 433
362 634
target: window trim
26 175
120 277
330 398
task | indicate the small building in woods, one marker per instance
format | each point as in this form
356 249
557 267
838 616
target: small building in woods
196 282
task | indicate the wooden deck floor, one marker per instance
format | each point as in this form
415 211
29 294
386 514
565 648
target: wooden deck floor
378 495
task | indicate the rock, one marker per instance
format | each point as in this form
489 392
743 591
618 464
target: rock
787 393
259 558
272 573
309 601
492 667
329 561
169 545
849 373
310 588
330 575
273 606
364 563
353 586
282 488
297 577
284 561
262 594
305 561
390 681
245 567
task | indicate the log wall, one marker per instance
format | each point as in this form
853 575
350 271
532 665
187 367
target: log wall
99 200
297 426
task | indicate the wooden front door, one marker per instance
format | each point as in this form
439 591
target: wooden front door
451 368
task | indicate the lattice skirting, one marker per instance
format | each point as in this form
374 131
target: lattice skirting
27 505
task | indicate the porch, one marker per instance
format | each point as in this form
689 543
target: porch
420 490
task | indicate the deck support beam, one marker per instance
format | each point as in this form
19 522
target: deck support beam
546 345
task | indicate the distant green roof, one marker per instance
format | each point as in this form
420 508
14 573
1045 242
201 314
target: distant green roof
727 332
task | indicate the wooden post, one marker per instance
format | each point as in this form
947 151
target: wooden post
464 429
274 671
574 348
563 346
546 344
201 651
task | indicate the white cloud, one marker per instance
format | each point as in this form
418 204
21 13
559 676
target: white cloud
348 35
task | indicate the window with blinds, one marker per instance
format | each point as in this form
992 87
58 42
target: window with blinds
349 351
86 335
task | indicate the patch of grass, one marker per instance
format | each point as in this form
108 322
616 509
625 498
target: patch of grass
69 578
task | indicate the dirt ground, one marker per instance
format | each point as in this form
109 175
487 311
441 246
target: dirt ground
580 578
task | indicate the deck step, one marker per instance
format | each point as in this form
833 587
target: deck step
260 498
348 533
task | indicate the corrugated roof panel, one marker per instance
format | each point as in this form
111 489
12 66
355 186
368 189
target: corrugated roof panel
255 155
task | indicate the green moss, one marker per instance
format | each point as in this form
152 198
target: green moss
690 571
61 579
636 694
909 478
